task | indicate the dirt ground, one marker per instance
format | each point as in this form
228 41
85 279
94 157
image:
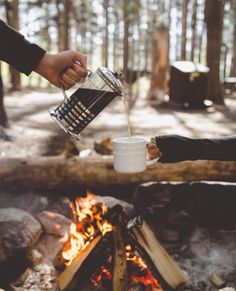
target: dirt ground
32 132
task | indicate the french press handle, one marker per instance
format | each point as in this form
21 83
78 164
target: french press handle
62 87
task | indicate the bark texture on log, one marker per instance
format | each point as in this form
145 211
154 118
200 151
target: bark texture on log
50 173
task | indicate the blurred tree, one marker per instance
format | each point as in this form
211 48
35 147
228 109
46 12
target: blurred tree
126 17
59 24
116 33
12 16
106 35
233 62
184 29
3 115
214 12
159 64
66 24
193 27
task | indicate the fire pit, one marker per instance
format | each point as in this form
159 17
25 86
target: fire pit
195 223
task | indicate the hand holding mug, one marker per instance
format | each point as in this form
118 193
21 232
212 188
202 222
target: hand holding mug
153 150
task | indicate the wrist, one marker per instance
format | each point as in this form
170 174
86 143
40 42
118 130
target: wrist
44 64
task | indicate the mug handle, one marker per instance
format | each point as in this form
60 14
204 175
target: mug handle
151 162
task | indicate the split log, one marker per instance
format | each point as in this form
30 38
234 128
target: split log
67 275
119 274
57 173
164 264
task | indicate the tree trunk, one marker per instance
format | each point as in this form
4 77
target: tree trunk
115 40
193 26
12 15
126 39
83 25
106 38
3 115
159 63
200 44
214 11
184 29
233 62
59 25
66 24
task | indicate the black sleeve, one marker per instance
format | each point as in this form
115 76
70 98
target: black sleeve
17 51
177 148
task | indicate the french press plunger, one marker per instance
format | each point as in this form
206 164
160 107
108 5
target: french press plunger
78 110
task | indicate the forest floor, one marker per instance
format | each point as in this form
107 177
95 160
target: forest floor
32 132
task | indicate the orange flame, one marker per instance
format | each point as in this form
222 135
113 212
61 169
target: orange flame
89 217
138 272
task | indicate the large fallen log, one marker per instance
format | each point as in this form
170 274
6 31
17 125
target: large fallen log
58 172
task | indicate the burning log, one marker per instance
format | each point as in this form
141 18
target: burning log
67 275
58 172
91 225
164 264
119 276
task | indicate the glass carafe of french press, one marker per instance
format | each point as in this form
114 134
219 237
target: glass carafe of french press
78 110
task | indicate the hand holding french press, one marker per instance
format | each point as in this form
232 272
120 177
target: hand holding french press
77 111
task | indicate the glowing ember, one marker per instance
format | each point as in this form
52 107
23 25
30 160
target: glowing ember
89 217
138 272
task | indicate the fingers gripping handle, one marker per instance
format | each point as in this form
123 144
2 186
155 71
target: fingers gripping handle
148 161
62 87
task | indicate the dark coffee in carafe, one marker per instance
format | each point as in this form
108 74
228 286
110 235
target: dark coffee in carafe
77 111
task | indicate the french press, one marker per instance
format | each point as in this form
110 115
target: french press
78 110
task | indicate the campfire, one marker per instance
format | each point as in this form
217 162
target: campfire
105 243
135 257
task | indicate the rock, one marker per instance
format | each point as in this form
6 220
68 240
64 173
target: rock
19 231
51 247
54 223
41 276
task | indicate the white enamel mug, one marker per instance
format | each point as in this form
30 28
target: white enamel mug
130 154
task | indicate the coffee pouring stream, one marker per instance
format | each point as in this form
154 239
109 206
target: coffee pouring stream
78 110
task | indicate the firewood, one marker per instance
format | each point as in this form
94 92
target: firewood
217 280
50 173
67 275
164 264
119 276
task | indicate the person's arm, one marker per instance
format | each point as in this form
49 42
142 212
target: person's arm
23 55
175 148
64 68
